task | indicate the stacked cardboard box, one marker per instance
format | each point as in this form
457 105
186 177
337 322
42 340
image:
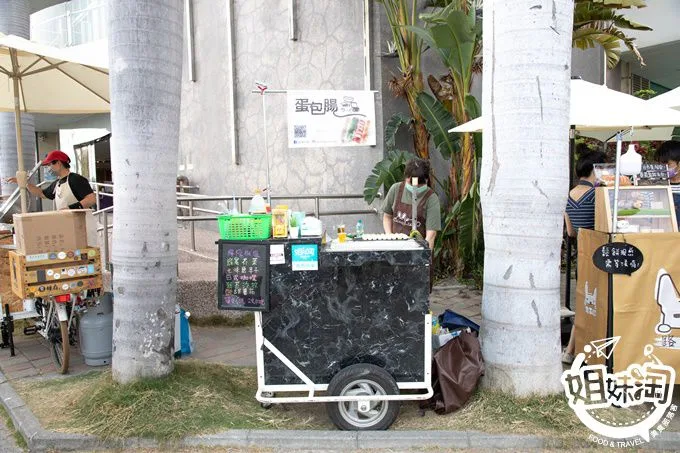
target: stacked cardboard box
55 253
8 297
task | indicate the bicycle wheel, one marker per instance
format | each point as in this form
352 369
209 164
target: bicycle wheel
59 345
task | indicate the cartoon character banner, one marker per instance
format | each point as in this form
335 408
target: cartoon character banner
325 118
646 304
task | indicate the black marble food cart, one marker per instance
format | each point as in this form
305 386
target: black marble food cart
345 324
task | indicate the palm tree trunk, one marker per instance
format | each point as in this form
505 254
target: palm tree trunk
145 53
524 184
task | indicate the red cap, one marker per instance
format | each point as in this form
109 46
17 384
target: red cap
56 155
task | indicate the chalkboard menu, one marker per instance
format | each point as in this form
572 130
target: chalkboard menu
653 175
243 280
618 258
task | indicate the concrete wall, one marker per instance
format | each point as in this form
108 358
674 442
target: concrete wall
328 54
588 64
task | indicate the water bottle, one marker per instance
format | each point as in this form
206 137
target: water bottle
360 229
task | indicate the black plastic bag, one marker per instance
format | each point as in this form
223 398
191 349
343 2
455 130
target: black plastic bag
456 369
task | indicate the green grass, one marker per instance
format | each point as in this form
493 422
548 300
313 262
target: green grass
196 398
4 418
203 398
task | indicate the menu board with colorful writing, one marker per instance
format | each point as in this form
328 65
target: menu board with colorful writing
243 281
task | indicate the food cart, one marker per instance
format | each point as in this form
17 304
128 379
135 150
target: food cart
346 324
628 280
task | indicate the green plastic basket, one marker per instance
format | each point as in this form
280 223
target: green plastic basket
245 227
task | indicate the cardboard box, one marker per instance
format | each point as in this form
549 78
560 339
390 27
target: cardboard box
58 273
54 231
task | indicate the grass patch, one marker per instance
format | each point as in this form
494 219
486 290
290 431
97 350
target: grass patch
5 418
246 320
198 398
203 398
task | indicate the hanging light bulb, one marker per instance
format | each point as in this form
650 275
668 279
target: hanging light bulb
631 162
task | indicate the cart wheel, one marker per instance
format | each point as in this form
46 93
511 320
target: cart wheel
61 350
267 405
363 379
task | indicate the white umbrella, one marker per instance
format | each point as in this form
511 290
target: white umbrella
35 78
598 112
670 99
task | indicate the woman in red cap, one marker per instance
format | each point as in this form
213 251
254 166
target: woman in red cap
70 190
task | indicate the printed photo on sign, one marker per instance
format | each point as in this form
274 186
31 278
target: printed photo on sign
325 118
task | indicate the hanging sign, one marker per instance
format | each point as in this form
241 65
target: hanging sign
618 258
243 282
653 175
325 118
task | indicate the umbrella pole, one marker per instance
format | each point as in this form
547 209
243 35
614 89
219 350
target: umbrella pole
617 175
21 172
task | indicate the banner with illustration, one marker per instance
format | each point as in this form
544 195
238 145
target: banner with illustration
590 306
647 303
328 118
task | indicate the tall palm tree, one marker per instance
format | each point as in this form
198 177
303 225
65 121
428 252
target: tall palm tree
145 48
524 184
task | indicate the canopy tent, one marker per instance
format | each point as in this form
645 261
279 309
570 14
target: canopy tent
599 112
36 78
671 99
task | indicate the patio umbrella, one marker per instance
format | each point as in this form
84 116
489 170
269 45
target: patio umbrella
35 78
599 112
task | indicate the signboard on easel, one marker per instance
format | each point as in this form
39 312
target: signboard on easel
328 118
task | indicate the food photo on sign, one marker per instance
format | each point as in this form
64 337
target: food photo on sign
330 118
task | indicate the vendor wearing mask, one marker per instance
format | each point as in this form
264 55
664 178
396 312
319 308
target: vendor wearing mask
397 208
70 190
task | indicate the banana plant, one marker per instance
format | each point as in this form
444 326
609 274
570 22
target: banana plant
599 23
455 34
385 173
400 15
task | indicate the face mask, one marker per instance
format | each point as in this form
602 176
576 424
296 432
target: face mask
50 174
672 172
419 190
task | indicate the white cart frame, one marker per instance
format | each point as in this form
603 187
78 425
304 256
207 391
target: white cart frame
312 388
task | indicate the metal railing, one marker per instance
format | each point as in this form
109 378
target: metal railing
187 202
71 23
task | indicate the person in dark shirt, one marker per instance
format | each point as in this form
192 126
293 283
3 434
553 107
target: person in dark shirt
580 212
70 190
669 154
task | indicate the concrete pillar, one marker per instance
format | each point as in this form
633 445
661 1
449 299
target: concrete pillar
14 20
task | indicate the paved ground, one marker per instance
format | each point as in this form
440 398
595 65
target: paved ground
7 442
230 346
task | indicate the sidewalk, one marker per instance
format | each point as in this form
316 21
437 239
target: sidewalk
233 346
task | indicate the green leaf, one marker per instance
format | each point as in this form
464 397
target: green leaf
392 127
452 34
468 224
385 173
438 121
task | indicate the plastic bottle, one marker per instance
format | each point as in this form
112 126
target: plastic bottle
257 204
360 229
